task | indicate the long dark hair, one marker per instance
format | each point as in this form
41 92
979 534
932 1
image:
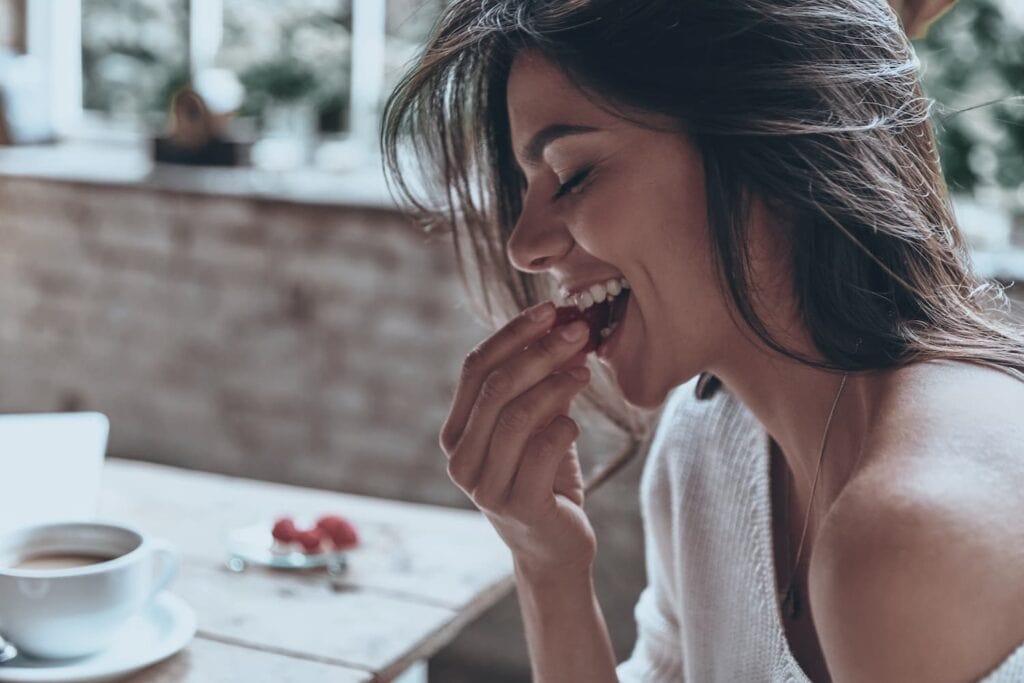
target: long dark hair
813 106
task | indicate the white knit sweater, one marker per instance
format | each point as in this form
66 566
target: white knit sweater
709 611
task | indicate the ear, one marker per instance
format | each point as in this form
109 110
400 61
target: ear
918 15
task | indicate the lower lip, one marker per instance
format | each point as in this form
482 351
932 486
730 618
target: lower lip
607 347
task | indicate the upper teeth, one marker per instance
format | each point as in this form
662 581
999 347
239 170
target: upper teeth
597 293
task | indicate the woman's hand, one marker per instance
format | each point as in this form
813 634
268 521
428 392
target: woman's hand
511 446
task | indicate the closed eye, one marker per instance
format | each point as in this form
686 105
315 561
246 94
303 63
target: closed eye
568 185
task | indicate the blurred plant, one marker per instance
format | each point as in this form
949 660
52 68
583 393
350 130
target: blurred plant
288 54
285 80
972 56
131 52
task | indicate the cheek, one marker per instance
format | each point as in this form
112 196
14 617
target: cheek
598 221
661 233
652 202
622 223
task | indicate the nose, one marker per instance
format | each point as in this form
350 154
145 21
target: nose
536 243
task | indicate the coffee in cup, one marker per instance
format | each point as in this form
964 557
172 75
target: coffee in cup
66 588
59 561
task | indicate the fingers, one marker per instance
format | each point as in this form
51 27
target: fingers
532 488
499 378
512 338
530 413
579 360
502 386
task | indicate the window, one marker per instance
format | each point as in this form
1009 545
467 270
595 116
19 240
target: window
134 54
308 67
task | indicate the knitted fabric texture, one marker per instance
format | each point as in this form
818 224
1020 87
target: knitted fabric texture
709 611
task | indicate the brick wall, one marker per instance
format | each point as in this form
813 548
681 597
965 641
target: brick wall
307 344
281 341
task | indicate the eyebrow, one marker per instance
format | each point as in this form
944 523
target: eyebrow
548 134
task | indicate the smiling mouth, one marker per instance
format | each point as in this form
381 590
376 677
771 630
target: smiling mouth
602 318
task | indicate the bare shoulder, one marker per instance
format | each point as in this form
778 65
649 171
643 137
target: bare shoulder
963 405
918 568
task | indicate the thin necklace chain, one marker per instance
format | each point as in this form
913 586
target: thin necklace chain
789 596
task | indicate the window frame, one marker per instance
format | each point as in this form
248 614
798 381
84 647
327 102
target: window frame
53 35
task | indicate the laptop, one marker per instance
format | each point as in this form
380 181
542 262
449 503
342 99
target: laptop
50 466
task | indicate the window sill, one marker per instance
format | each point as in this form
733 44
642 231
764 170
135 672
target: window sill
130 166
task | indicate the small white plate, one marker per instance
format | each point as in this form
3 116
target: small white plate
254 544
161 630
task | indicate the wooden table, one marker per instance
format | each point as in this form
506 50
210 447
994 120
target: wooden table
420 574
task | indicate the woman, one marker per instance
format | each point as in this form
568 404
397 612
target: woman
757 185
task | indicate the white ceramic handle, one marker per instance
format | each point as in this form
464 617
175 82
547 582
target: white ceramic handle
165 562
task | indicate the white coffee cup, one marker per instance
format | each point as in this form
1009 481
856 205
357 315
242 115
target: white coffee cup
55 603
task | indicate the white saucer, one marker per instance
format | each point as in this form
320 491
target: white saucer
254 544
163 628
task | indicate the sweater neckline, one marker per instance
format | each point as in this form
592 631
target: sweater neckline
788 660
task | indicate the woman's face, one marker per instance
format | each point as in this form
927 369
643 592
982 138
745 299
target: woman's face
639 213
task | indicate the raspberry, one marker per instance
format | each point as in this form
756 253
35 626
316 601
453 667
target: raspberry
343 534
310 540
328 522
284 530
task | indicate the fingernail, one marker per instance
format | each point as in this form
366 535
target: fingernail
575 331
541 312
581 374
